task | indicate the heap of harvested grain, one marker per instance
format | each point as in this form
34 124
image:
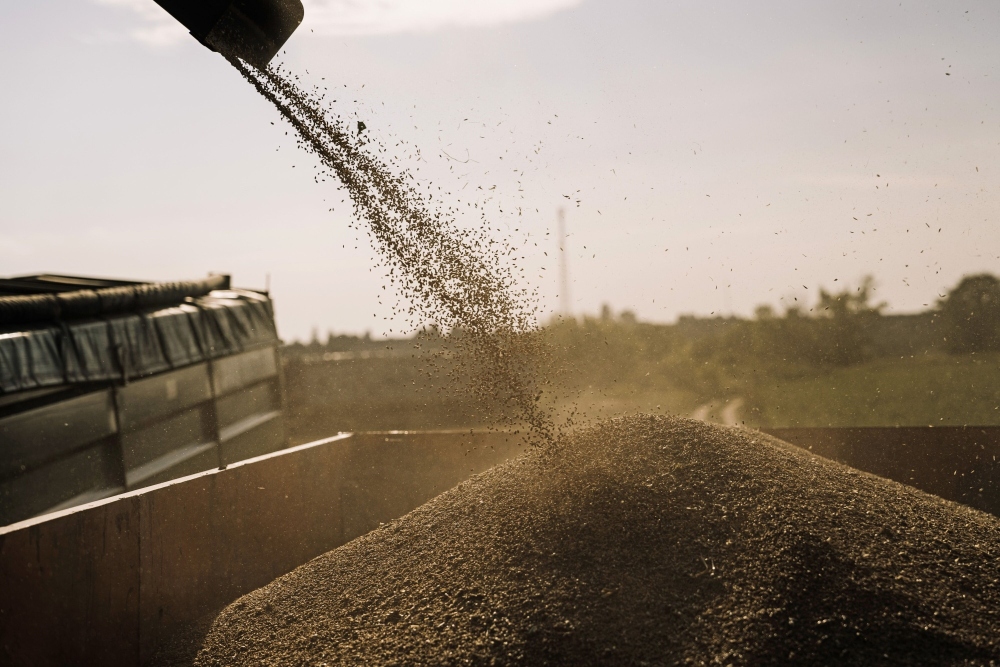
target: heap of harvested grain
644 541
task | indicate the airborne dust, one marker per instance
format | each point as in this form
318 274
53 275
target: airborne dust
452 277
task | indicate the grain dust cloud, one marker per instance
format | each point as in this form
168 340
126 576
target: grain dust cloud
447 275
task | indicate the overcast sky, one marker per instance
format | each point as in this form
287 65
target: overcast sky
710 155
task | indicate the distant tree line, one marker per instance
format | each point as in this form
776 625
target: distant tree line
706 357
729 355
842 329
971 315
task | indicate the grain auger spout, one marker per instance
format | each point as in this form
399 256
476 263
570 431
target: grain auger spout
253 30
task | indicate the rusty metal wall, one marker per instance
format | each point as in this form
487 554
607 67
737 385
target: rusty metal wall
959 463
117 581
70 589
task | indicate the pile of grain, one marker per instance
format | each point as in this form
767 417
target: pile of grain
456 277
644 541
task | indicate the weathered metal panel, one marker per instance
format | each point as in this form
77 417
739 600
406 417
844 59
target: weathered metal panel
254 436
32 438
178 462
118 582
211 539
86 474
70 589
154 440
960 463
256 399
161 395
240 370
389 474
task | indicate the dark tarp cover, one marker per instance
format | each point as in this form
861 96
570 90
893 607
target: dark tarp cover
128 346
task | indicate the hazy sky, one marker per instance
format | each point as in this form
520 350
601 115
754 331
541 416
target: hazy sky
715 155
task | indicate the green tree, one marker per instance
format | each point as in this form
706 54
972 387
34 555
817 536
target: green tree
970 315
844 320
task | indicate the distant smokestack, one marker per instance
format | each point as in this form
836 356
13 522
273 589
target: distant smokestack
564 307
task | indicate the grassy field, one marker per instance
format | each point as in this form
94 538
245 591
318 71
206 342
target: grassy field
606 367
924 390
